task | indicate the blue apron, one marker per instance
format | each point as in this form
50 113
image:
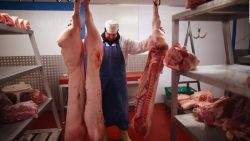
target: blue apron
114 87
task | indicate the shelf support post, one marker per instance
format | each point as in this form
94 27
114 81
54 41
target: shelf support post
44 78
175 80
227 42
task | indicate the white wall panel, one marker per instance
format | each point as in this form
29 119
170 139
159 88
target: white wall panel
127 17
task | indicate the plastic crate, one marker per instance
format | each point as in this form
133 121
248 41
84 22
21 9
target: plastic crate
181 90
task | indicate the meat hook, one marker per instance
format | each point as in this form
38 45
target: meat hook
157 4
199 32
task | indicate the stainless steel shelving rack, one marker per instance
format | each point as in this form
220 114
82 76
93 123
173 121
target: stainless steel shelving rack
16 131
230 77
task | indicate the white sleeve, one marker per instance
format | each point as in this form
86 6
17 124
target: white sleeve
134 47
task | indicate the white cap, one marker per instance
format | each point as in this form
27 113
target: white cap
111 26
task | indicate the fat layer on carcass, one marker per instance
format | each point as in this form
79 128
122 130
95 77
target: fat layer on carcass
146 92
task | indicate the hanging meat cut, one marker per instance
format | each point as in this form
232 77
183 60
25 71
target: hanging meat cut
94 49
178 58
146 92
85 100
72 50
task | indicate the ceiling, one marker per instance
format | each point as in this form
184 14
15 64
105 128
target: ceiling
140 2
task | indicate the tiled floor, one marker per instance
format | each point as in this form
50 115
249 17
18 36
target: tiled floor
160 129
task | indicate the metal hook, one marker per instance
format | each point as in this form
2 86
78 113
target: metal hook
199 32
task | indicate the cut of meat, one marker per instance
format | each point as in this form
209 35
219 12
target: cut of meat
21 23
16 22
26 24
174 56
204 95
210 112
187 104
183 97
72 50
94 49
178 58
189 63
8 20
4 101
36 96
202 103
146 92
194 3
18 112
2 18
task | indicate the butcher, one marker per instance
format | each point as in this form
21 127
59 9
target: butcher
113 76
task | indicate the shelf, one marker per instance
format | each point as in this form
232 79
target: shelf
198 130
9 132
216 10
5 29
41 135
244 59
228 77
14 71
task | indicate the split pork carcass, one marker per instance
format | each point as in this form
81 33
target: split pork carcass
72 50
94 49
178 58
146 92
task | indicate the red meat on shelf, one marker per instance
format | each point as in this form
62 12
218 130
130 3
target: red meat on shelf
178 58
